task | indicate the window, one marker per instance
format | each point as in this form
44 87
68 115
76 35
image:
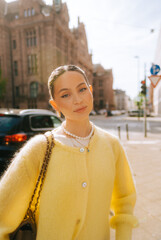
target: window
44 121
29 12
94 74
66 46
101 104
32 64
9 124
34 38
14 44
33 89
15 66
100 82
101 93
28 42
31 39
25 13
17 91
57 1
58 39
32 11
66 50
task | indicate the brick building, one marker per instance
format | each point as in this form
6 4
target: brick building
35 38
103 88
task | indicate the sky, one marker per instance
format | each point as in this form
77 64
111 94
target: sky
122 35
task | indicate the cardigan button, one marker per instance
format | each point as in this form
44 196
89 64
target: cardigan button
81 150
84 184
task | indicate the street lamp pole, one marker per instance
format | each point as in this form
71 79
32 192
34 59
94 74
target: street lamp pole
138 85
138 71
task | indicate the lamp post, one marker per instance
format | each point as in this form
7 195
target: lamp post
138 71
138 80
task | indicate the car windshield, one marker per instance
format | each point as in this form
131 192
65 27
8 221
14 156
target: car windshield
44 122
8 124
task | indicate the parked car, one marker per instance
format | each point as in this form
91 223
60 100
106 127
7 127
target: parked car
17 126
92 113
136 113
116 112
102 112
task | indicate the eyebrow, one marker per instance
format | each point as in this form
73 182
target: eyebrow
64 89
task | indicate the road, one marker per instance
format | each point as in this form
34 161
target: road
134 125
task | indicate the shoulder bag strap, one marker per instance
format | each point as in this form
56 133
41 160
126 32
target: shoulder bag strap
41 177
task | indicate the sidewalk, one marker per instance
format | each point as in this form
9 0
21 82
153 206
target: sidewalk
144 155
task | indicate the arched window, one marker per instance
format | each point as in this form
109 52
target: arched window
29 12
33 89
32 11
25 13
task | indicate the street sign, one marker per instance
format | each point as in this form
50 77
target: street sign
154 69
154 79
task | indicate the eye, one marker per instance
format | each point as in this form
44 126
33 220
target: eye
65 96
82 89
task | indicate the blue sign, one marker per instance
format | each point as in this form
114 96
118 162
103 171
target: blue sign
155 69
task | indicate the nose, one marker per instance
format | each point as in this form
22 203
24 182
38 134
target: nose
76 99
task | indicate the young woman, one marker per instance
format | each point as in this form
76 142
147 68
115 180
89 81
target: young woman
88 173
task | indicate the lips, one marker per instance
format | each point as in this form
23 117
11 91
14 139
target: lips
80 109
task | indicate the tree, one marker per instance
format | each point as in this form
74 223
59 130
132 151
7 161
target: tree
139 102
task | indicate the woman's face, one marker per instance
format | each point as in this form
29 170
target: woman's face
72 96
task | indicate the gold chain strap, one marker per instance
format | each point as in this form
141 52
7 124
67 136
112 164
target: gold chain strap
41 177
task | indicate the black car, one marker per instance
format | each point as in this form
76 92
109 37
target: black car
17 126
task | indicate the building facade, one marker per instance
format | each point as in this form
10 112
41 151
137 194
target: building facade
156 92
102 88
35 38
121 100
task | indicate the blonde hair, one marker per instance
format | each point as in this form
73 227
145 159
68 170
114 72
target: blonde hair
58 72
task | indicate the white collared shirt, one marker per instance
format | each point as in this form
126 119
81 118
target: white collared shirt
60 136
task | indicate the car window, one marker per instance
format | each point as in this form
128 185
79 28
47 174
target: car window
44 122
26 124
8 124
56 121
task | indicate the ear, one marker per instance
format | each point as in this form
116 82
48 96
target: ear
53 104
91 88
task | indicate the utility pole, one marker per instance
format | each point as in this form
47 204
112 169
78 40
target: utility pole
138 76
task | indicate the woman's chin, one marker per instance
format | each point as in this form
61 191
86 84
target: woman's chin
78 117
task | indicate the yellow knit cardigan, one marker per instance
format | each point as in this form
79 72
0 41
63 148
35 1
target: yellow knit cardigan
80 189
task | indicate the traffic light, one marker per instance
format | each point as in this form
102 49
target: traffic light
143 87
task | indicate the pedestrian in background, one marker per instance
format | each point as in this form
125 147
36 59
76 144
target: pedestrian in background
88 173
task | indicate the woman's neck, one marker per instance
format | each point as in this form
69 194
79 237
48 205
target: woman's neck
78 128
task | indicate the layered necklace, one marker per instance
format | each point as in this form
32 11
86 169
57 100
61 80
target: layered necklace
78 138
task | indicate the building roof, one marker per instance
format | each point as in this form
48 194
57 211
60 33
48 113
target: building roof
13 7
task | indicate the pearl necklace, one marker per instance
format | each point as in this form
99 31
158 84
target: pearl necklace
77 137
